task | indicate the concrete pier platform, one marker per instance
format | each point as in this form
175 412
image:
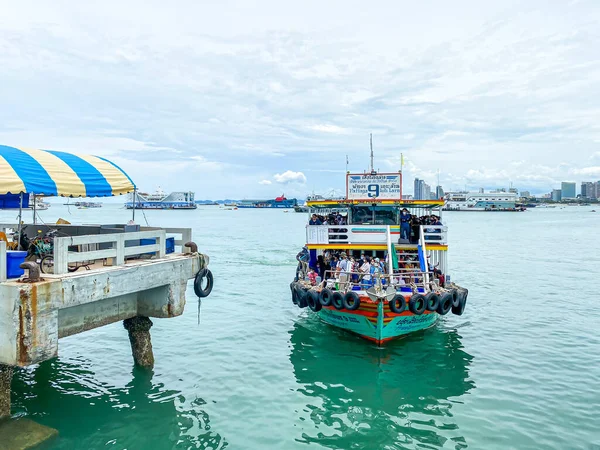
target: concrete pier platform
23 434
121 281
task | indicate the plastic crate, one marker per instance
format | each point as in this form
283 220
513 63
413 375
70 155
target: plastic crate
13 260
169 245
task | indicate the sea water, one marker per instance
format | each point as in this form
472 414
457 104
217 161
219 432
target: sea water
246 369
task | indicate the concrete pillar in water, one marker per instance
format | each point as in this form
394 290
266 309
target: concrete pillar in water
139 335
6 373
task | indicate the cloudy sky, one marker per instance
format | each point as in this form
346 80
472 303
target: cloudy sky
253 99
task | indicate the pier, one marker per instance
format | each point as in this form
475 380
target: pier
121 277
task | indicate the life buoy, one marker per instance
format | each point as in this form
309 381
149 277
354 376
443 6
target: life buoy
325 296
417 304
397 304
312 298
337 300
351 301
445 303
455 297
301 297
462 302
198 290
432 300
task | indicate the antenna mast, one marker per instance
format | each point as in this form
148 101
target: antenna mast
372 170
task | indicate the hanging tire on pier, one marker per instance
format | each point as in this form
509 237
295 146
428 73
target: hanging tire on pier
325 296
312 298
397 304
337 300
432 301
462 302
294 297
351 301
301 297
199 289
417 304
445 303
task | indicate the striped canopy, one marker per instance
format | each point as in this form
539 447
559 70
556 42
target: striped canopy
50 173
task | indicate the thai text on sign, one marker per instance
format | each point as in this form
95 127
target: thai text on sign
382 186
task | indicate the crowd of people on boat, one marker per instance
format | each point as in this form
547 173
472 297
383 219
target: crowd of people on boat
330 219
410 223
363 269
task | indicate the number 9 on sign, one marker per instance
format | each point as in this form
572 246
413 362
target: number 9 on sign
373 190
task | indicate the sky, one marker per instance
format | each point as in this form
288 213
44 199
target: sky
235 99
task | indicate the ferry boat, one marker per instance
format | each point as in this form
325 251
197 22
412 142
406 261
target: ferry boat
482 201
278 202
409 291
161 200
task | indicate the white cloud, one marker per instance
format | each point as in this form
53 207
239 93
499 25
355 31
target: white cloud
587 171
325 128
290 177
265 182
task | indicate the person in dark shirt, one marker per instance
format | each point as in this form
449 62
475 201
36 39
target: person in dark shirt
314 220
405 217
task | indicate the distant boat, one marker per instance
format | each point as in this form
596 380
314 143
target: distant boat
13 201
278 202
161 200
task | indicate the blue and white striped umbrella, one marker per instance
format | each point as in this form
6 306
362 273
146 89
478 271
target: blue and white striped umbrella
64 174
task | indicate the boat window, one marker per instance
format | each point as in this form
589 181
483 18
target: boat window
375 215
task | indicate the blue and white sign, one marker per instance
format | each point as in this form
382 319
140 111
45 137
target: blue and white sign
381 186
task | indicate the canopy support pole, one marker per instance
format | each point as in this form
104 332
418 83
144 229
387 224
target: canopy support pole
34 203
134 197
20 216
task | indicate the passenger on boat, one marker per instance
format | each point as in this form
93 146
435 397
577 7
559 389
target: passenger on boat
302 257
437 273
314 220
366 270
321 266
312 276
405 218
344 269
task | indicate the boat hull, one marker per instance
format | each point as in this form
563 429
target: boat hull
376 322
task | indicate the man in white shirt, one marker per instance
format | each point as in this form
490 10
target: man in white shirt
344 269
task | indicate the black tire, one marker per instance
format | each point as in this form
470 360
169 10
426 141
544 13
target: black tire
301 297
294 296
312 298
455 297
351 301
198 290
462 302
398 304
445 304
47 264
325 296
433 301
337 300
417 304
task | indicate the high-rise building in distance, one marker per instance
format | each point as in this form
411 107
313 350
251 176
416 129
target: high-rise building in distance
568 190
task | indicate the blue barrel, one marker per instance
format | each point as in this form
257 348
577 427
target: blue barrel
13 260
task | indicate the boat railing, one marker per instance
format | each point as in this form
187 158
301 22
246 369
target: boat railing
357 280
368 234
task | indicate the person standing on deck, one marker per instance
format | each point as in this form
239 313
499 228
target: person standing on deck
405 217
302 257
366 270
314 220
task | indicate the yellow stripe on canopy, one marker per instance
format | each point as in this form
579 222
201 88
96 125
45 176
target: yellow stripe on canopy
66 180
119 182
9 179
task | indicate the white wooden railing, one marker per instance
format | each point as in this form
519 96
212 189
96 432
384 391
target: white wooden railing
117 253
368 234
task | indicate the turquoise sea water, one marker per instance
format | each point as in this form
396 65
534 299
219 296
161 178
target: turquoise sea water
246 369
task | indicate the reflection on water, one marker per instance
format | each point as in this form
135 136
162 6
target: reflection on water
89 414
361 396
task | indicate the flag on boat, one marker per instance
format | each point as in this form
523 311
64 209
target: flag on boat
52 173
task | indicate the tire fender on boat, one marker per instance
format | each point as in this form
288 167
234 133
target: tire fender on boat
432 300
201 293
397 304
462 302
301 297
292 288
445 305
325 296
337 300
455 297
312 299
351 301
417 304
